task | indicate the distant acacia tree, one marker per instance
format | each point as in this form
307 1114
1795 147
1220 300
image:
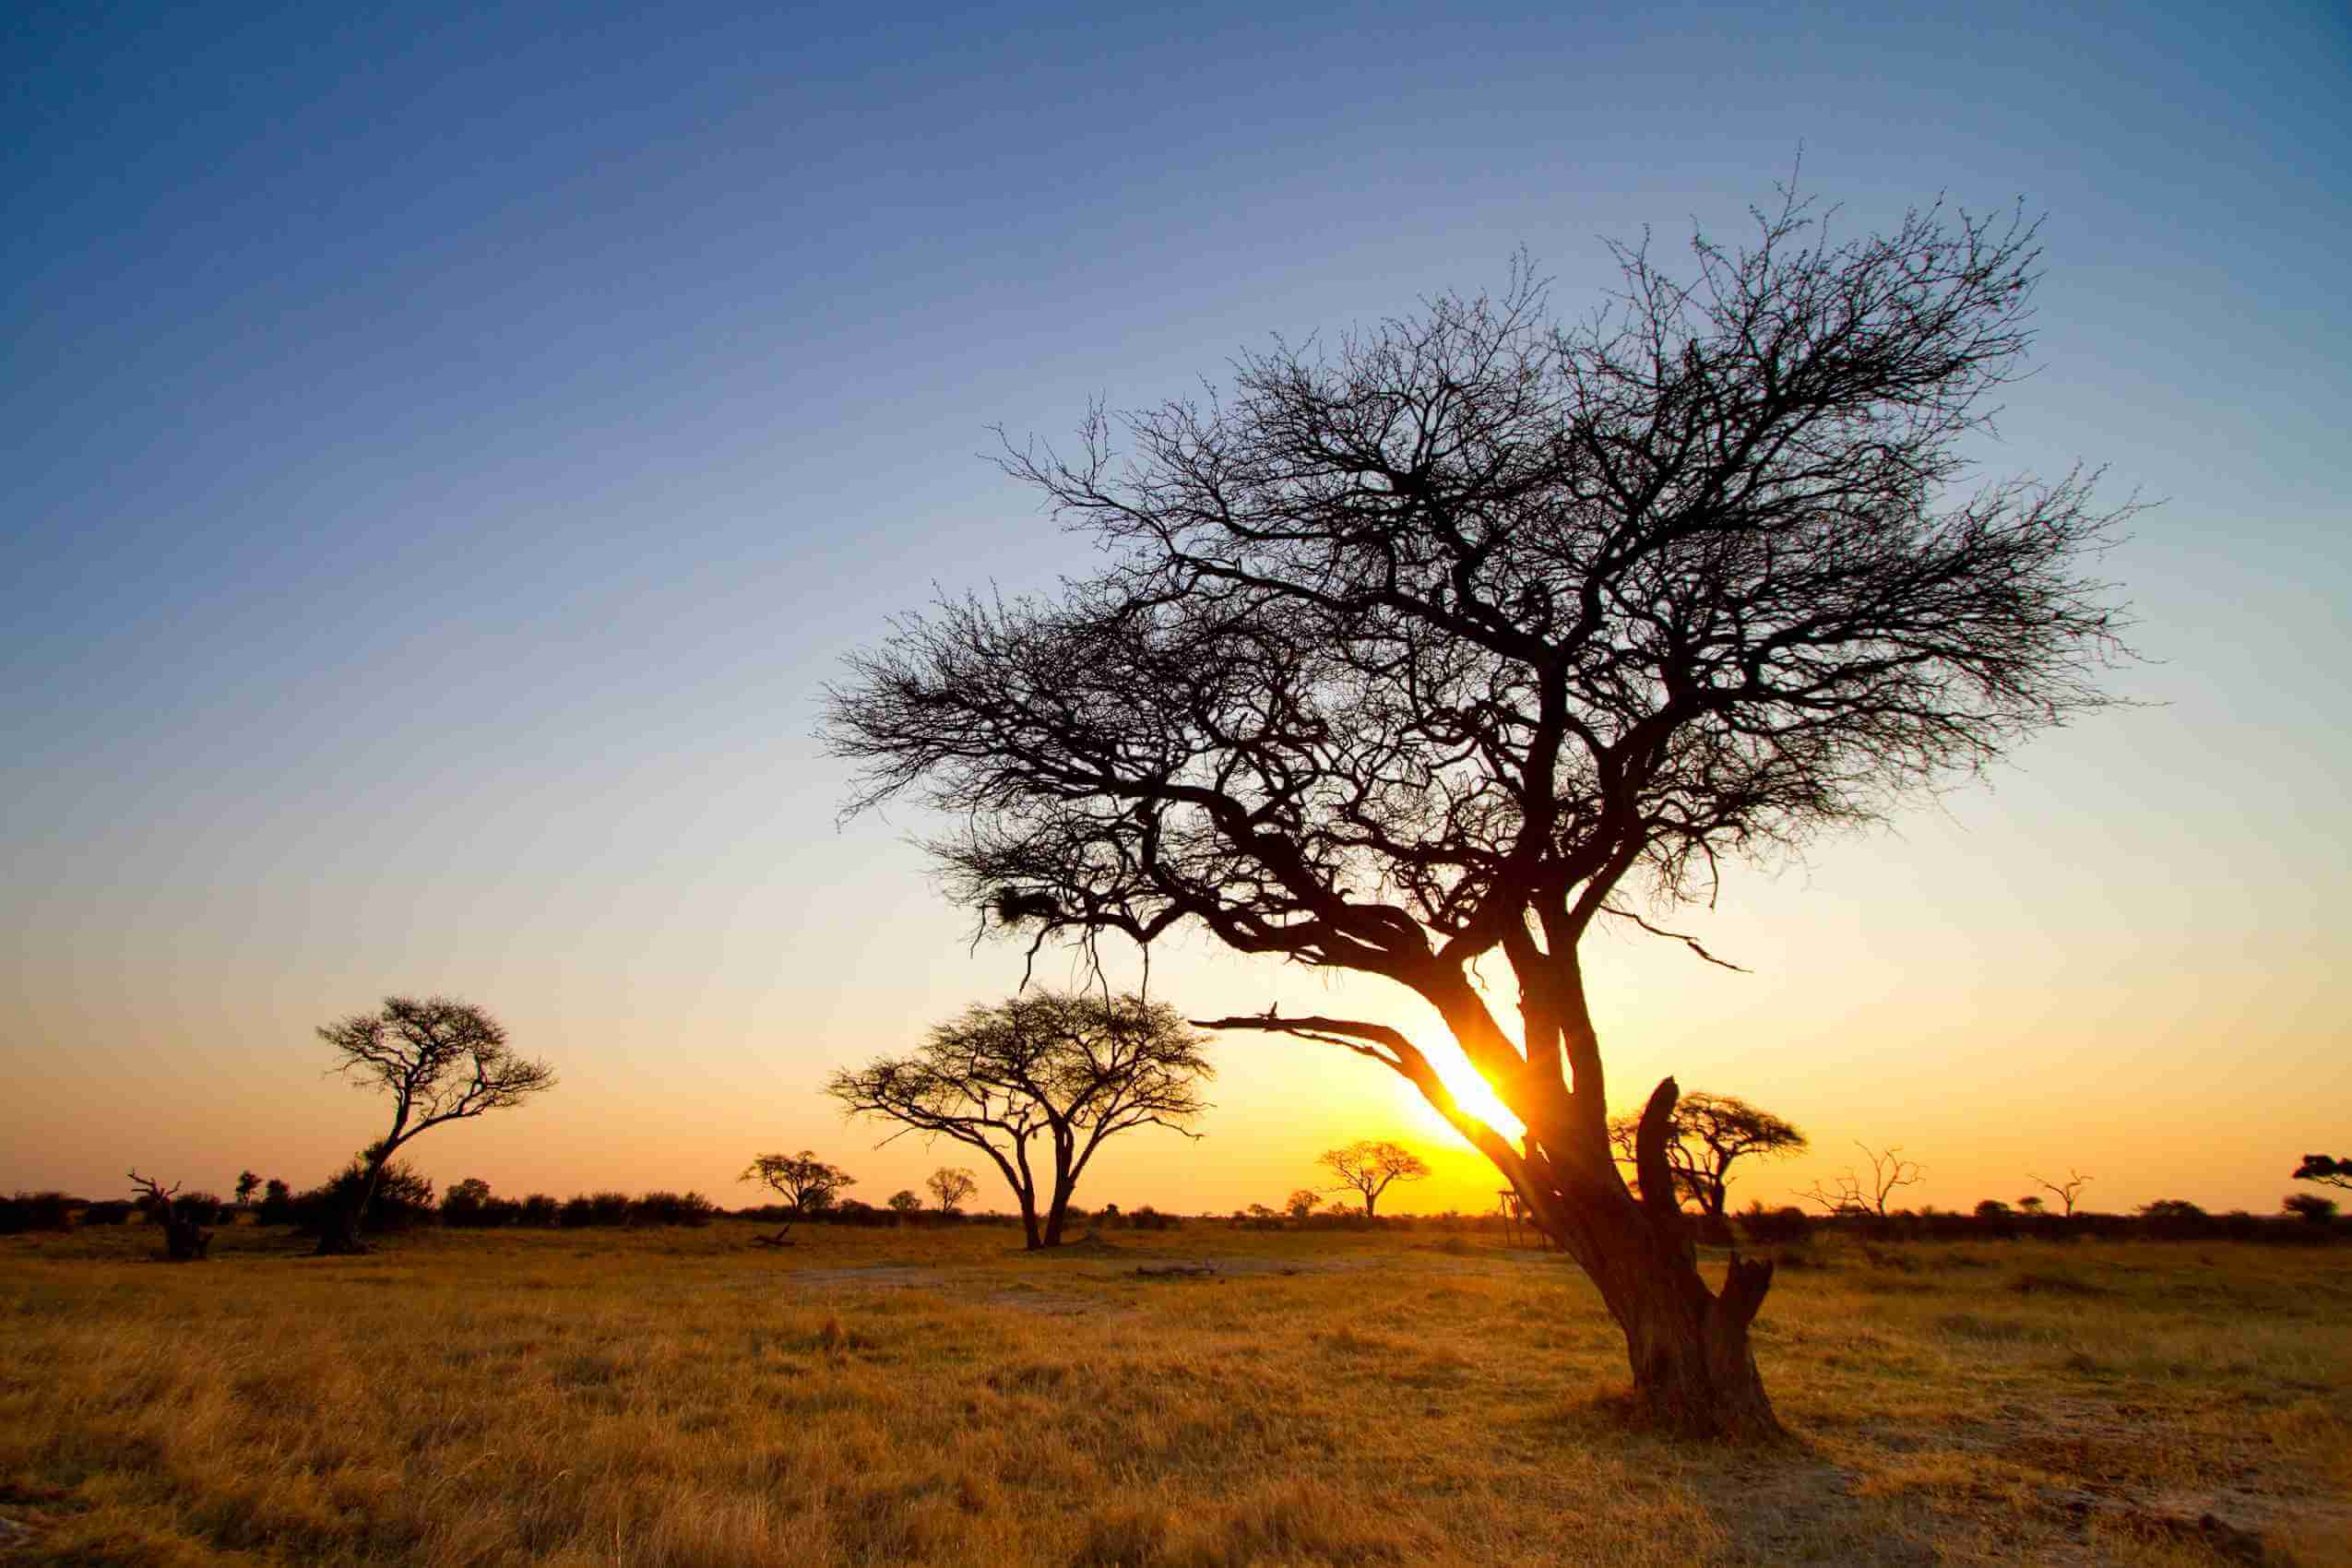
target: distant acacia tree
1369 1167
1437 647
1705 1134
1056 1073
440 1060
950 1185
248 1183
807 1184
1302 1202
2065 1191
2325 1169
1848 1192
2309 1206
905 1201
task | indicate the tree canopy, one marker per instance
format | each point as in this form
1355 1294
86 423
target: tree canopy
439 1060
1369 1167
1707 1134
1057 1071
1476 628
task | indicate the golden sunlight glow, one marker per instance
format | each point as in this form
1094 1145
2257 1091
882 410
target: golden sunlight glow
1471 1096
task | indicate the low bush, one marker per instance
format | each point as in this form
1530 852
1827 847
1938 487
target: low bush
199 1208
404 1197
673 1208
36 1211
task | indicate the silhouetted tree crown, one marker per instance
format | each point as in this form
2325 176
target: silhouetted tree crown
1707 1133
1049 1072
950 1185
438 1060
1452 639
806 1183
2324 1169
1369 1167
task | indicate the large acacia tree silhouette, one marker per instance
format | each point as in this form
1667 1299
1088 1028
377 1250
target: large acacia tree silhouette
1451 640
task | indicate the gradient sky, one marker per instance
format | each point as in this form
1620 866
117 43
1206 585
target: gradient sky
446 452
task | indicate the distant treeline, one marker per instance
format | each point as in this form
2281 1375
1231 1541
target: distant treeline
404 1199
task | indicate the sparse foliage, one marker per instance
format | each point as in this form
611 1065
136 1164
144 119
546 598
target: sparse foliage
1302 1202
440 1060
1449 643
248 1184
1706 1135
905 1201
949 1186
2065 1191
1849 1194
1370 1165
1059 1072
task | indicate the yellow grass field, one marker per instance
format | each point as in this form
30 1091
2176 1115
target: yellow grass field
682 1398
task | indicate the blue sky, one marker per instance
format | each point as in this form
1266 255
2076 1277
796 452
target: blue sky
447 450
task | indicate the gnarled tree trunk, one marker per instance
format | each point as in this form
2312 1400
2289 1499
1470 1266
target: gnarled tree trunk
1694 1373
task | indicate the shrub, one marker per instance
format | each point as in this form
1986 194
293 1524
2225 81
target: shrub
2310 1207
276 1205
1151 1219
107 1211
199 1208
673 1208
541 1209
36 1211
1786 1226
403 1198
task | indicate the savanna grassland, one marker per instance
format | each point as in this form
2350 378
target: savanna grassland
683 1399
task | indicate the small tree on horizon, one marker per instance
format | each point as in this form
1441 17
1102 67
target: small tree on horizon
248 1183
807 1184
1849 1194
904 1202
440 1060
950 1185
1059 1072
1706 1135
1369 1166
2066 1192
1302 1202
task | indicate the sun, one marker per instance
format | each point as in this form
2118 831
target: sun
1471 1094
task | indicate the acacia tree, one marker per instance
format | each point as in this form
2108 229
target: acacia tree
2324 1169
1704 1134
440 1060
1370 1165
248 1184
1066 1070
950 1185
807 1184
1447 644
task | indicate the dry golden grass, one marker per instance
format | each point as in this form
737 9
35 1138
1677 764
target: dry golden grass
683 1399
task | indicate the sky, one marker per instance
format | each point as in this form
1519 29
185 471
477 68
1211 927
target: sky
448 450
